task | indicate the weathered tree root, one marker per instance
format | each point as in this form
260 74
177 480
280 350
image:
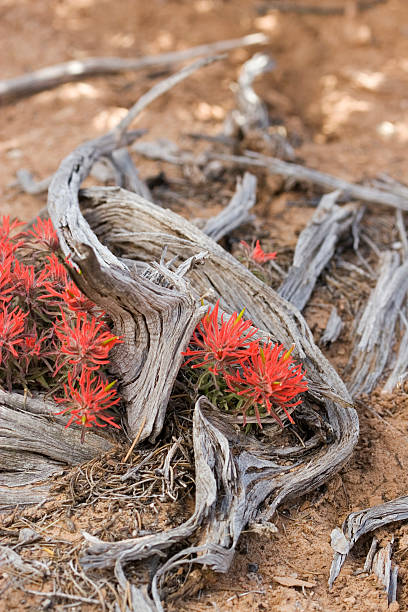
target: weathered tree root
358 524
35 444
234 475
78 70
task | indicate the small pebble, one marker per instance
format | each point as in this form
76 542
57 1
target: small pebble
252 568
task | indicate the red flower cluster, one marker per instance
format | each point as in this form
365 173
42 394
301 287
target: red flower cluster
219 346
264 376
51 335
86 404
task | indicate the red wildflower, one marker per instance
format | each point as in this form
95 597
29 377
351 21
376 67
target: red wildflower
7 249
221 343
74 299
28 284
30 348
7 228
86 399
257 254
44 234
11 330
55 271
268 378
6 281
86 345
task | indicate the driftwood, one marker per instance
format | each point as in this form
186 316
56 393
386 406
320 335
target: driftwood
375 330
359 523
315 248
333 328
327 182
35 444
304 9
237 211
386 572
78 70
399 371
251 116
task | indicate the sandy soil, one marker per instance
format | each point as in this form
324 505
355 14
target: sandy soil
340 91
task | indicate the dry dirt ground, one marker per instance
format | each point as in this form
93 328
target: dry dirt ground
340 91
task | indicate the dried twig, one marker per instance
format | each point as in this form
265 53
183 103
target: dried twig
375 331
359 523
333 328
325 181
53 76
315 248
237 211
251 115
304 9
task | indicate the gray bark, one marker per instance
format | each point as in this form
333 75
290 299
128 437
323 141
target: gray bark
359 523
78 70
315 248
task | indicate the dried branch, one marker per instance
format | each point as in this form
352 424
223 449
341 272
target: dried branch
399 371
333 328
327 182
234 474
78 70
128 176
302 9
315 247
34 444
236 213
251 115
359 523
251 470
383 568
375 331
251 112
27 183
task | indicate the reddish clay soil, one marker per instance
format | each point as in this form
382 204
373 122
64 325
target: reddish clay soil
340 89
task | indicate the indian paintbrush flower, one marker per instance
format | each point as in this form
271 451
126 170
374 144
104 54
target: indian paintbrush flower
11 331
86 398
84 343
51 334
218 343
268 378
44 235
261 376
257 254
